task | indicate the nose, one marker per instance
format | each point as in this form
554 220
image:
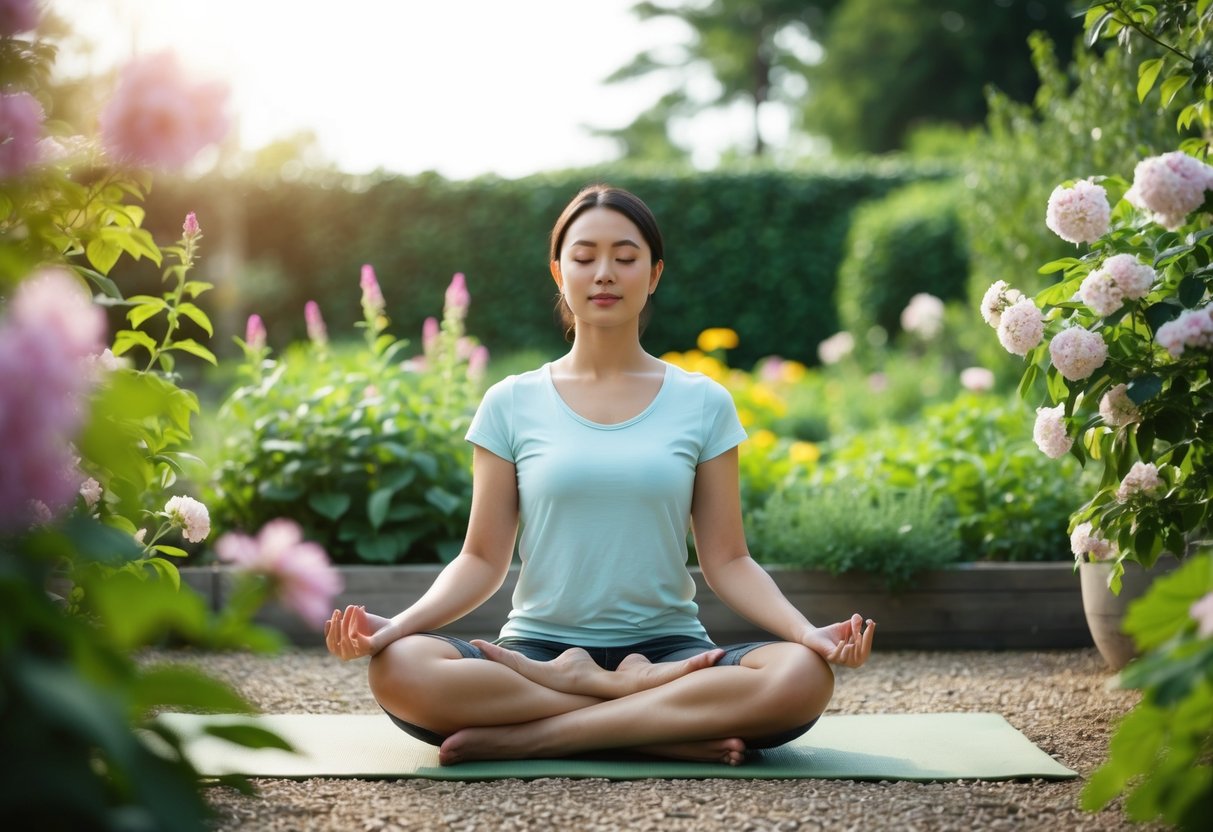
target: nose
604 273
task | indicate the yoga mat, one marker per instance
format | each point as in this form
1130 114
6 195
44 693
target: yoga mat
946 746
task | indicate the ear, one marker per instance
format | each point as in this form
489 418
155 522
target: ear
655 276
554 266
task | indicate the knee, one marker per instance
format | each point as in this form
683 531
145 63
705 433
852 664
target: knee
395 670
803 683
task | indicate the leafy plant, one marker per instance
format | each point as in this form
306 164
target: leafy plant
1159 757
363 449
841 528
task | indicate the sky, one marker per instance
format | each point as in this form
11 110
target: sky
461 87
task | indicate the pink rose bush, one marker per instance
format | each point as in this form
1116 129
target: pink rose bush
835 348
21 118
977 379
298 571
923 316
1121 346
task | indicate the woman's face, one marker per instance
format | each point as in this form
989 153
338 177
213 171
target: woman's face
606 271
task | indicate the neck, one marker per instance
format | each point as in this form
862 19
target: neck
607 351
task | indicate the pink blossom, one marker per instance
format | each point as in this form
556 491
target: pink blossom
90 490
878 382
1078 214
1100 292
1170 186
429 334
477 362
1134 278
372 297
1202 613
923 316
140 535
1049 432
771 370
21 118
299 570
1142 479
977 379
190 228
316 329
17 16
1021 327
48 336
457 297
1117 409
1193 328
1077 352
190 516
254 333
1086 541
159 116
835 348
464 348
997 298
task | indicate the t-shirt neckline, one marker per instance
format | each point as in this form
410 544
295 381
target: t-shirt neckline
551 385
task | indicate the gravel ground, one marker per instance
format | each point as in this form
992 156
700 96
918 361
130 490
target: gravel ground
1060 699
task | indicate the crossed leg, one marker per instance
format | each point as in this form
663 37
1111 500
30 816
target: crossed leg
490 709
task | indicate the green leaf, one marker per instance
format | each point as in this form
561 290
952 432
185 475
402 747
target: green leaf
194 288
1191 291
330 504
102 254
1058 265
180 686
1143 388
376 549
196 315
127 339
250 736
1163 612
108 287
171 551
443 500
144 311
377 506
1162 312
1171 86
1147 74
194 348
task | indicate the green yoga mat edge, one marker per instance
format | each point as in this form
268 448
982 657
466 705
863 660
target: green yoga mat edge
914 747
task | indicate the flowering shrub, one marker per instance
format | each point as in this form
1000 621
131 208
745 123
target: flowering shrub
364 450
1128 326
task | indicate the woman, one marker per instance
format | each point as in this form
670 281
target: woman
601 458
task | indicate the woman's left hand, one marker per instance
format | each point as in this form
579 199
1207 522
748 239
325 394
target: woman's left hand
848 643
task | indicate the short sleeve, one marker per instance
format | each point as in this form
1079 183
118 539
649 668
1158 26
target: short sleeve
493 425
722 428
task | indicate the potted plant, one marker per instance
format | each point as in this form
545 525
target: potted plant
1119 348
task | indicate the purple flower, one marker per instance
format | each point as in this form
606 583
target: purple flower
457 297
429 334
190 227
21 118
372 297
254 332
17 16
316 329
159 117
299 570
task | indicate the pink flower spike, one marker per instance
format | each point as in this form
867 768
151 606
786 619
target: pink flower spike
477 363
372 296
457 297
316 329
429 334
190 226
254 332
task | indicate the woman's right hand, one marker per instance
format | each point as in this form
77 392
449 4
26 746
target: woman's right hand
349 635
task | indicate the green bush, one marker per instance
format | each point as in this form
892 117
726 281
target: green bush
1005 498
756 251
842 528
911 241
366 453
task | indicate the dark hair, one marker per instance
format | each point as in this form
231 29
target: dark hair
617 199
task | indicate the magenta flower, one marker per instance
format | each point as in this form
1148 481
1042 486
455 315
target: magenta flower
372 297
316 329
429 334
190 227
254 333
457 297
21 118
299 570
17 16
477 363
47 338
159 117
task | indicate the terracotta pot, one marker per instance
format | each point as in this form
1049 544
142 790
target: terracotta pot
1105 612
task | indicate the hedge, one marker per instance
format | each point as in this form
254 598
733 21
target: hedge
754 251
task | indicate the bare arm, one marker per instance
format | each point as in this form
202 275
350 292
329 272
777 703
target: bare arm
745 586
464 584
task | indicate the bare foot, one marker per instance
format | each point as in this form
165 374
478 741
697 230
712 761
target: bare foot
519 742
573 671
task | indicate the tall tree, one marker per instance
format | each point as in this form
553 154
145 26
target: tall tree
748 47
891 65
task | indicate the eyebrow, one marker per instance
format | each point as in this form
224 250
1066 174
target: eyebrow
624 242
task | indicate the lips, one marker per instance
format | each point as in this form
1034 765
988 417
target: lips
604 296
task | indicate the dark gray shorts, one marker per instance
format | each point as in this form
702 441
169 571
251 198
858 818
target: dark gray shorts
662 649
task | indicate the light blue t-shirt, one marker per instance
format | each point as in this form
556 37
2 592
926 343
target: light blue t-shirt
605 509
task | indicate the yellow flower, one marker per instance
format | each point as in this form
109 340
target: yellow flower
745 416
717 338
709 366
804 453
792 371
763 439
